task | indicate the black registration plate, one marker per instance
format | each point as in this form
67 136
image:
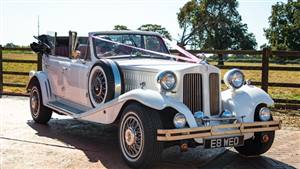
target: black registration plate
224 142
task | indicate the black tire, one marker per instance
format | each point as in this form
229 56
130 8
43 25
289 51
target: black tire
149 150
39 112
255 146
102 85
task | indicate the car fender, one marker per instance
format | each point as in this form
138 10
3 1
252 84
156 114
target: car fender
243 101
159 101
149 98
42 78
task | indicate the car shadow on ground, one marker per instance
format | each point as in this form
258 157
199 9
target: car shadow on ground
233 160
100 144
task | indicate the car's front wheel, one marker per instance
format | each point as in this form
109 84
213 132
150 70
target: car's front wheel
137 136
260 143
39 112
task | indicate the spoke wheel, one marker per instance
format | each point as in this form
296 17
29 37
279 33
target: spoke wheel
132 134
35 101
39 112
105 82
138 136
99 85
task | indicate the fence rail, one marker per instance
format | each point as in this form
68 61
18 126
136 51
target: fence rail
266 53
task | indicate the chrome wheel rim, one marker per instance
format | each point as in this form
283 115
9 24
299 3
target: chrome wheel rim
34 101
132 136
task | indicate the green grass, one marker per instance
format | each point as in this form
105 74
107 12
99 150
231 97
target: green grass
254 75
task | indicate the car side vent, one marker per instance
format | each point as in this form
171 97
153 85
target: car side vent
192 91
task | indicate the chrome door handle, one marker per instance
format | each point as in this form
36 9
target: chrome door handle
46 65
64 68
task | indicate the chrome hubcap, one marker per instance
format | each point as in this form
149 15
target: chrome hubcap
132 137
34 102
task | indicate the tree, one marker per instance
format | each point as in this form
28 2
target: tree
11 45
156 28
284 26
120 27
214 24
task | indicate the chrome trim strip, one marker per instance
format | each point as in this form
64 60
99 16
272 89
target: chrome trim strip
219 130
117 78
46 86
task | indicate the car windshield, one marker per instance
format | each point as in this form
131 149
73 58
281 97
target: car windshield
133 45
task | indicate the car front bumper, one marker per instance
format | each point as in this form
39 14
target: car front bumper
216 131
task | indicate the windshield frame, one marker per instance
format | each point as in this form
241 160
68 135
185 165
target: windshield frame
161 40
184 55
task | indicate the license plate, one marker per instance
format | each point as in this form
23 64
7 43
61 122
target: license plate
224 142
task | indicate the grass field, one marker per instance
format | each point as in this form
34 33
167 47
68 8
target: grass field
254 75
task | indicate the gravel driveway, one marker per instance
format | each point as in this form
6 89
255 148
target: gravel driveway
68 143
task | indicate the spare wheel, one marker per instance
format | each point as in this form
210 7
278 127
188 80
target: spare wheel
105 82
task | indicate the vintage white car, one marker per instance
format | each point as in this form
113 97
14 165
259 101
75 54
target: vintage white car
157 99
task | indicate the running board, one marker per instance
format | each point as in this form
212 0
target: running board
65 108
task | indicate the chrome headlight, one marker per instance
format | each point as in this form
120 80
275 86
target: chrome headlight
234 78
179 120
264 114
167 80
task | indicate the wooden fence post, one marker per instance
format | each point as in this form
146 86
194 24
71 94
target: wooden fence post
1 73
39 61
221 59
265 68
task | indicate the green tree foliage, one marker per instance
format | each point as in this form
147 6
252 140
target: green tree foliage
156 28
284 26
11 45
120 27
214 24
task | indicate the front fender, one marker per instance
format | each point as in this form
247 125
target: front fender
158 101
243 101
41 78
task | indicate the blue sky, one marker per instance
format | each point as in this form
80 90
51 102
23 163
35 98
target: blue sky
18 18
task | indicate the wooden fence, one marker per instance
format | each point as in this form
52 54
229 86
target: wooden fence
266 53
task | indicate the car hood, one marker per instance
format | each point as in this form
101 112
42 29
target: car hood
154 65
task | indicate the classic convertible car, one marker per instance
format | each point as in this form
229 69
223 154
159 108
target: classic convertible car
157 99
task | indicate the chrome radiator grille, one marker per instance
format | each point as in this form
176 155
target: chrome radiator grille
192 91
214 93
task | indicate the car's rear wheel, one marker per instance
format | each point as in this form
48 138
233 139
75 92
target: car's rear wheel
137 136
39 112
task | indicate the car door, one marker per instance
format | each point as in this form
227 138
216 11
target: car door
53 65
76 81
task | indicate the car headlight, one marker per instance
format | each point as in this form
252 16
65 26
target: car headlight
264 114
234 78
167 80
179 120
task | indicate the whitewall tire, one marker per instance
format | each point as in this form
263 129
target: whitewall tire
105 82
138 136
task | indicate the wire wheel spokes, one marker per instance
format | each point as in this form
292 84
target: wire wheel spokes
99 86
132 137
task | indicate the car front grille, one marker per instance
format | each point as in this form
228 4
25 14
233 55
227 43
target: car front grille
192 91
193 95
214 93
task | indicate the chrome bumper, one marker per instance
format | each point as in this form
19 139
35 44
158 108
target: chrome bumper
212 131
